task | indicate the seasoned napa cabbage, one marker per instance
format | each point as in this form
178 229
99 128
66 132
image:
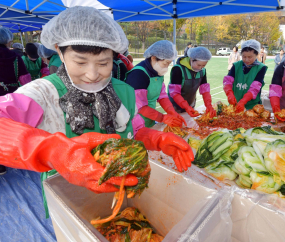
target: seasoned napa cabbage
274 157
265 183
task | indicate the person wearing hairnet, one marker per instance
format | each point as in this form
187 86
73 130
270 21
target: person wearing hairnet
63 116
18 49
34 64
245 80
50 57
147 78
13 72
186 77
277 91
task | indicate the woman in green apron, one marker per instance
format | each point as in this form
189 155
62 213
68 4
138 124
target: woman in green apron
34 64
186 77
245 80
66 114
147 78
50 57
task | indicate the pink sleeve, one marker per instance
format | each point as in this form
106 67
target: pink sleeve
204 88
141 98
21 108
275 91
163 93
24 79
228 80
174 89
255 88
138 123
45 71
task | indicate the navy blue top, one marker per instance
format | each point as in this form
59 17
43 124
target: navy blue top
138 79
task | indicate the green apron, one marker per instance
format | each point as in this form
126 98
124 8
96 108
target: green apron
34 68
189 86
153 92
55 61
127 96
243 81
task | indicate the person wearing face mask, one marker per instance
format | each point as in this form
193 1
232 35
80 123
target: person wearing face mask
147 78
245 80
51 124
34 64
50 57
186 77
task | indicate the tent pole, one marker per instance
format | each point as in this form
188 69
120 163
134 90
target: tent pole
174 35
22 40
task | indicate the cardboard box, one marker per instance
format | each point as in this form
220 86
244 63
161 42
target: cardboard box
170 198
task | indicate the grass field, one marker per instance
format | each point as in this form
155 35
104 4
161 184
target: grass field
216 70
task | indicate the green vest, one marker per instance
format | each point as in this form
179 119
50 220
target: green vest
116 71
243 81
153 92
127 96
34 68
55 61
189 85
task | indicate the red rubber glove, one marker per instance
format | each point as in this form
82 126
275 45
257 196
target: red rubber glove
170 144
168 108
25 147
126 61
208 103
246 98
168 119
275 104
184 104
230 94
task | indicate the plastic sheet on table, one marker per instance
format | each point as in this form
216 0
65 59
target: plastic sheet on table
22 214
257 216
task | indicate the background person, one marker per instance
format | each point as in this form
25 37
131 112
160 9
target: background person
279 58
50 57
34 64
18 49
245 80
262 56
234 57
147 78
186 77
277 90
189 46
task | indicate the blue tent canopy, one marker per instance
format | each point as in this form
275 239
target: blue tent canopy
40 12
143 10
19 27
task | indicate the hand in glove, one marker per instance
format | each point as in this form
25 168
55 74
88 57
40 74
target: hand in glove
168 143
246 98
25 147
169 109
208 103
275 104
184 104
230 94
172 121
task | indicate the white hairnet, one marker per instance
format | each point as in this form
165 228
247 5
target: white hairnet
252 43
163 49
5 35
84 26
37 44
45 52
17 46
199 53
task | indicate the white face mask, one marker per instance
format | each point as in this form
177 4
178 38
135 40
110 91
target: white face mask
91 87
196 70
161 71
